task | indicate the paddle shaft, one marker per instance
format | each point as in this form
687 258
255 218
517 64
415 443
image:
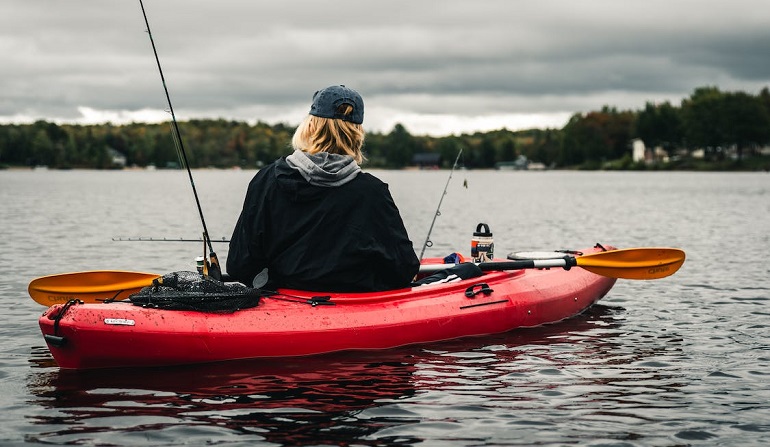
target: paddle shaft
565 262
629 263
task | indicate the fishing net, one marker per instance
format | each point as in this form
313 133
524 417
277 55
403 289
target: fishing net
193 291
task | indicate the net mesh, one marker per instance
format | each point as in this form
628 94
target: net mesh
193 291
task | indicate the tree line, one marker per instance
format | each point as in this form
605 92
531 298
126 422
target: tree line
709 120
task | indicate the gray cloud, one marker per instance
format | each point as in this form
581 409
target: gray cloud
430 59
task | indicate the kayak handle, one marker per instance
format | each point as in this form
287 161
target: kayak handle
483 287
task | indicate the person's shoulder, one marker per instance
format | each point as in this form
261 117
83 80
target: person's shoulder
370 180
270 168
372 188
278 163
266 175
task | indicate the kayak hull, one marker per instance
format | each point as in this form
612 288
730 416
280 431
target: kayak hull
121 334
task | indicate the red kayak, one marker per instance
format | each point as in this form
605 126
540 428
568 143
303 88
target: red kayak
299 323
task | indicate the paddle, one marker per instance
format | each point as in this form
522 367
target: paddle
90 287
629 263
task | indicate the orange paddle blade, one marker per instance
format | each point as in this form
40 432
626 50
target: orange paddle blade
90 287
634 263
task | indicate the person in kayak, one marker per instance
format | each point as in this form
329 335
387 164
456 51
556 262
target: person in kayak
313 220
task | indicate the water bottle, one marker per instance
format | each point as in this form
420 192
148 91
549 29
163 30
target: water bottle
482 244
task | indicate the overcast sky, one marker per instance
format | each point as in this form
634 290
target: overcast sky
438 67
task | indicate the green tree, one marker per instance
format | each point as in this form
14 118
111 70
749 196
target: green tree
486 153
659 125
400 147
701 119
596 137
545 146
745 121
42 148
449 147
508 150
764 99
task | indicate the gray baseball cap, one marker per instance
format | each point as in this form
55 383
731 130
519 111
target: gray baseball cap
326 103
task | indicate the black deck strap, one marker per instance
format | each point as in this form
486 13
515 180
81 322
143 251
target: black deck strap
321 300
482 287
114 297
571 252
62 310
598 245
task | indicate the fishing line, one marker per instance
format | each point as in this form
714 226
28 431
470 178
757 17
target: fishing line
177 141
212 269
428 242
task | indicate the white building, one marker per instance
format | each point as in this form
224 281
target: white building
638 150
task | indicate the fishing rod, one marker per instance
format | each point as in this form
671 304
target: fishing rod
211 268
165 239
428 242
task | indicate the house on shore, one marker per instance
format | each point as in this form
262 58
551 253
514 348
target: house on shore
117 160
427 160
519 164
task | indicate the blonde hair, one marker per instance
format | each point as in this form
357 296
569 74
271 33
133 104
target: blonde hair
335 136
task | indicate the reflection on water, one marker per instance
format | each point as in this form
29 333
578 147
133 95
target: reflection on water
285 401
505 385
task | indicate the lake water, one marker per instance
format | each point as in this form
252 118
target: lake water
683 360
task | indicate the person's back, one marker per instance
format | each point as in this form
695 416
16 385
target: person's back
314 221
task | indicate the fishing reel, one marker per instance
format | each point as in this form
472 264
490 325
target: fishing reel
210 267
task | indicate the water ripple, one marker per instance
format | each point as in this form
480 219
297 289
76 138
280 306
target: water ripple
678 361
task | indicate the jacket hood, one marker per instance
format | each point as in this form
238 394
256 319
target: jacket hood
305 176
323 168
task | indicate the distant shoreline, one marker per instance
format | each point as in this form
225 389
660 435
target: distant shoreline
761 165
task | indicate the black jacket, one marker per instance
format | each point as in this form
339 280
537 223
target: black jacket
344 238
